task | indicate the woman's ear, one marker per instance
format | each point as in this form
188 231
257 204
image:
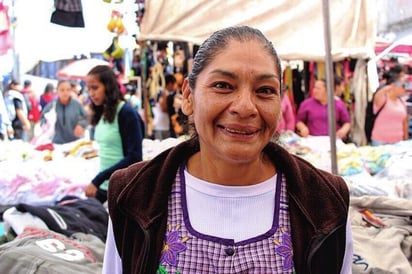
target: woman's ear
187 103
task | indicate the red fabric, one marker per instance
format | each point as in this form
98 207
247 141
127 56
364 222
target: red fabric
35 113
47 97
398 49
48 146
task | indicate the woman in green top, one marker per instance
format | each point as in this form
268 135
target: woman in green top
118 128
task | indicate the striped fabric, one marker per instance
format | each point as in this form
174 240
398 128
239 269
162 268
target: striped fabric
188 251
68 5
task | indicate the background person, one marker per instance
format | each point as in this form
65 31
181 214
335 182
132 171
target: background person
229 191
172 106
312 115
161 118
392 123
17 110
178 120
287 120
161 124
48 95
6 129
34 112
71 117
118 129
339 89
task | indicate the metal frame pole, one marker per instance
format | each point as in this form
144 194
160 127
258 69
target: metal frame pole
330 86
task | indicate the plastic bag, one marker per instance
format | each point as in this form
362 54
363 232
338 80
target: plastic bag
47 128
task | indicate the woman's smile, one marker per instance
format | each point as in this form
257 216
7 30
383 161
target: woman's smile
239 130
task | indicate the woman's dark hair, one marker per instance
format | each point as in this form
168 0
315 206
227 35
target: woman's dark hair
393 77
12 84
106 76
395 74
49 88
219 41
170 79
338 81
61 82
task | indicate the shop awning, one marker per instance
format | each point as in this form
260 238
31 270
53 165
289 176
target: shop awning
294 26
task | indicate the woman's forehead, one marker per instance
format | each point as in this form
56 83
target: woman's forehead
64 85
245 45
251 51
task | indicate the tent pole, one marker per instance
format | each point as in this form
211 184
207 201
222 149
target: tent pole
330 86
15 73
145 103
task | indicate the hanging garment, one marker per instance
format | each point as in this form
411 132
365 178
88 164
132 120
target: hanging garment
4 18
68 13
6 42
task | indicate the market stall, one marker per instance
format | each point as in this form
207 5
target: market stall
286 23
378 178
46 221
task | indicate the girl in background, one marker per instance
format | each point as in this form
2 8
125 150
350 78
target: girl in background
47 96
118 128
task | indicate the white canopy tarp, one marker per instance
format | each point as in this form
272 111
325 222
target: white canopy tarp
295 27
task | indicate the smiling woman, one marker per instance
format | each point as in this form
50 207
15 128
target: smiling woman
237 107
259 197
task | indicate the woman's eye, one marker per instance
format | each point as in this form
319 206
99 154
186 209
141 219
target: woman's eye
92 88
222 85
267 90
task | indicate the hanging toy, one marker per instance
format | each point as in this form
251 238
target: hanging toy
115 24
114 53
156 81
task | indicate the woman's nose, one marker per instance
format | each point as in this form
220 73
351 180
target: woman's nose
244 103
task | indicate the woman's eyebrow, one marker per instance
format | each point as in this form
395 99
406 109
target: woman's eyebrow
234 76
224 73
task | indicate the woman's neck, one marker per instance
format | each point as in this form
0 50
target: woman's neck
235 174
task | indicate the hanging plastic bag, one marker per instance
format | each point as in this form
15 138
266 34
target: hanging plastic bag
47 128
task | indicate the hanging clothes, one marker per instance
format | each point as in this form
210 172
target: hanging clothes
287 76
6 41
288 81
298 93
68 13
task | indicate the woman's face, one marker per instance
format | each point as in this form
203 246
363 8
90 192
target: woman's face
96 89
236 102
340 89
64 90
319 91
400 85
